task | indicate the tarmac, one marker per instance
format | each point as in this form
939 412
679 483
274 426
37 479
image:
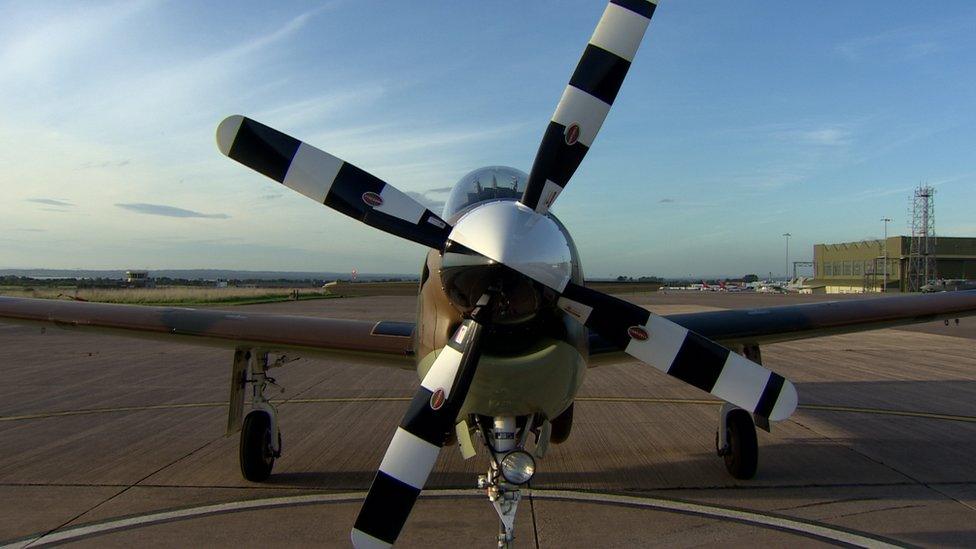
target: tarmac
107 442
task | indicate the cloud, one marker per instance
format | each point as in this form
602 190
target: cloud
49 39
52 202
431 204
168 211
829 136
903 44
308 112
107 164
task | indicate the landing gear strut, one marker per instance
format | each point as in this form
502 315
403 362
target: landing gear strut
504 439
260 441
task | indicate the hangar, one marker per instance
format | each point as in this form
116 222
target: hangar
855 267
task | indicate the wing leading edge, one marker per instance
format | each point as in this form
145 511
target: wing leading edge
383 343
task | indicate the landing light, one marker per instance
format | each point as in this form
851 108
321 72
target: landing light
518 467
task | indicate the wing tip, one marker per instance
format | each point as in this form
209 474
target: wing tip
227 133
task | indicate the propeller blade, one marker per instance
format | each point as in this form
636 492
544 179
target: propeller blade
419 438
587 99
681 353
329 180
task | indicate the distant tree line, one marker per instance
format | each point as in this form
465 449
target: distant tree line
622 278
28 282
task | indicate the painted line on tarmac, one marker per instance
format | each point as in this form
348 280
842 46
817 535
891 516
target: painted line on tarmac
812 529
636 400
176 406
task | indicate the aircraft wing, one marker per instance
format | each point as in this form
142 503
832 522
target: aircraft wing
383 343
391 343
791 322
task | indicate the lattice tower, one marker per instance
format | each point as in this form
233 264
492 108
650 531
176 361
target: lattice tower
921 251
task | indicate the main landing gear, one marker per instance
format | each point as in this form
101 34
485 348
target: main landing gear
735 439
260 441
736 442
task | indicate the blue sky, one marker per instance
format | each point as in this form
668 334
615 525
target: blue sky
739 121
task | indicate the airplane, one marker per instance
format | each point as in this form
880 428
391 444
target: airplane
949 285
506 328
734 287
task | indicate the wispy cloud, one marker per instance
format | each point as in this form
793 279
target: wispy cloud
433 204
392 139
49 39
52 202
905 43
830 136
309 111
107 164
168 211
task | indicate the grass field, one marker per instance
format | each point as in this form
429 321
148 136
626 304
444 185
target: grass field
175 295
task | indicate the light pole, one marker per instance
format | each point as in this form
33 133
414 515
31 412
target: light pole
787 235
884 287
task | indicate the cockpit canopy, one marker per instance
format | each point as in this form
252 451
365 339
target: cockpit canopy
484 184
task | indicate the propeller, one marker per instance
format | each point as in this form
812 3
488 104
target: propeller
587 99
329 180
502 239
420 437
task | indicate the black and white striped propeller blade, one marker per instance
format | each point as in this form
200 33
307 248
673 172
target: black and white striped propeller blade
329 180
681 353
419 438
587 99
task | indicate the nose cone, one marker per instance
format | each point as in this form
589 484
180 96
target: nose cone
514 235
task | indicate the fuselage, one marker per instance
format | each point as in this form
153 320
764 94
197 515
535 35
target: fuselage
534 359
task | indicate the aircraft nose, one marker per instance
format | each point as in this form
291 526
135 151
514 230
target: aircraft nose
510 233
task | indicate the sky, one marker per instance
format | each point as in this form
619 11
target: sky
738 122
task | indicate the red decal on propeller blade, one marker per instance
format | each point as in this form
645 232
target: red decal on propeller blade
437 399
372 199
638 333
572 134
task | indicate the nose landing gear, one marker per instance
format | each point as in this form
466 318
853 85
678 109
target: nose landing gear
506 476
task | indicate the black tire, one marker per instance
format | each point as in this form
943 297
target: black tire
256 456
562 426
742 460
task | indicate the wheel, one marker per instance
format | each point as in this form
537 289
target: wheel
742 458
256 455
562 425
